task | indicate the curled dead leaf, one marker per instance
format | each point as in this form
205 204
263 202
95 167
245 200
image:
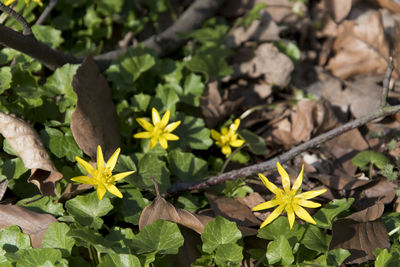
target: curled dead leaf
94 121
26 142
32 223
339 9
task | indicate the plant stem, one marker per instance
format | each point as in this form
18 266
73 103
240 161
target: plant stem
230 158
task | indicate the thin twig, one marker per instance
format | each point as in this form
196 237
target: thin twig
15 15
386 82
46 12
382 111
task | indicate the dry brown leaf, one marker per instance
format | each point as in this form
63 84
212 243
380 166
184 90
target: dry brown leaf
3 188
274 67
160 209
26 142
73 190
393 6
307 119
262 30
360 47
32 223
339 9
360 235
214 107
94 121
232 210
252 200
188 253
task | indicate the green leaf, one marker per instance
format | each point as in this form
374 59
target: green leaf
13 168
12 239
150 166
5 78
316 239
88 208
254 14
241 157
45 204
391 221
166 98
256 143
137 61
60 83
169 70
228 254
25 86
192 132
132 205
278 250
387 171
186 166
48 35
86 237
121 239
280 227
211 61
119 260
56 237
212 35
60 144
161 236
364 158
337 256
140 102
191 202
125 164
217 232
327 214
39 257
192 90
290 49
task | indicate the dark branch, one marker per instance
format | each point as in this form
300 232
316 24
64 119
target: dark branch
46 12
49 57
21 20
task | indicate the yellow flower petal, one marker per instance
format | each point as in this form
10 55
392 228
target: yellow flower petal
290 215
113 160
113 190
226 150
311 194
163 142
299 180
9 2
224 131
153 142
172 126
265 205
101 191
165 119
271 187
143 135
86 166
84 180
155 116
235 125
285 178
100 159
237 143
119 176
145 124
303 214
308 203
171 137
215 135
273 215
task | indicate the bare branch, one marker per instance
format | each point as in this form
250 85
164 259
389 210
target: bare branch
15 15
386 82
46 12
49 57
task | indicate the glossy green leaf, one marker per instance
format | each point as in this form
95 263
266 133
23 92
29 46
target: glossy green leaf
5 78
86 237
140 102
166 98
87 209
119 260
186 166
12 239
39 257
13 168
193 88
192 132
228 254
48 35
328 213
280 250
364 158
60 144
42 204
336 257
217 232
121 239
136 61
132 205
256 143
280 227
316 239
161 236
56 237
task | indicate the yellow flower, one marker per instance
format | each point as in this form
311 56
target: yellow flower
102 177
159 131
288 199
227 138
9 2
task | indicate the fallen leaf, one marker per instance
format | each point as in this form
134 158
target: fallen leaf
339 9
72 190
32 223
393 6
262 30
188 253
306 119
3 188
94 121
252 200
232 210
371 213
360 47
270 64
26 142
216 108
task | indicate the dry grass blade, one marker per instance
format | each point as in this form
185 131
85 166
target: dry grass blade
26 142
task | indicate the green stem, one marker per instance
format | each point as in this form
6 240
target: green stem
230 158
